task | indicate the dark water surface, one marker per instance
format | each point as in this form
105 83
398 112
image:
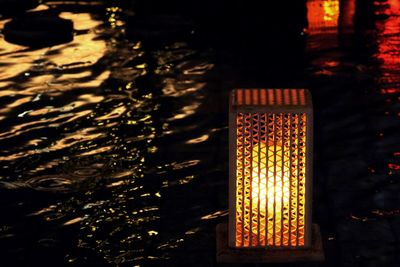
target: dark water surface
114 147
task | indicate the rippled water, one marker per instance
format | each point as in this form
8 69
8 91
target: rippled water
104 145
114 146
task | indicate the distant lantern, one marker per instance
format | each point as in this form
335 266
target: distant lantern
270 179
323 20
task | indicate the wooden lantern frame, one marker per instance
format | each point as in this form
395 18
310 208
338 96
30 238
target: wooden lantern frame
270 185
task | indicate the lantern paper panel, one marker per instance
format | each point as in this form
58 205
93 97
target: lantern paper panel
270 168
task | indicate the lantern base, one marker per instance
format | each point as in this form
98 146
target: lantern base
234 255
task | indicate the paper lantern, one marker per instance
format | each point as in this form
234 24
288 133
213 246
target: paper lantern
270 179
323 20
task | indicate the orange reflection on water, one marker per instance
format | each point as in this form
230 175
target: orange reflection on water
52 74
83 52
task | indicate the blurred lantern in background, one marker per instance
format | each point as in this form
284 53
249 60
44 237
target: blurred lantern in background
323 21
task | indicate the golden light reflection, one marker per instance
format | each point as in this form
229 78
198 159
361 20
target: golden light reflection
44 210
192 231
73 221
215 215
173 88
84 48
198 139
7 92
96 151
71 100
28 126
186 111
79 136
119 183
16 103
152 232
113 16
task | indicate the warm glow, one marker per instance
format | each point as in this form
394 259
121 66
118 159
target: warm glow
260 191
331 10
323 16
323 24
270 179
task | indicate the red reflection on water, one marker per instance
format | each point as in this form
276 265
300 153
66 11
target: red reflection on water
390 91
346 18
388 45
395 6
394 166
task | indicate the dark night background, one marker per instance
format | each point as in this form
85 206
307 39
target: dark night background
114 134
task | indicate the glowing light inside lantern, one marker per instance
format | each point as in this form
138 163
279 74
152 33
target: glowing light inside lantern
322 17
264 188
331 10
270 184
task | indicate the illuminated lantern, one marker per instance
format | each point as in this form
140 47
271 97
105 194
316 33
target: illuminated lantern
270 179
323 16
323 19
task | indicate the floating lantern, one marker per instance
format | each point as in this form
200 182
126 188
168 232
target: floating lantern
323 16
270 186
323 19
